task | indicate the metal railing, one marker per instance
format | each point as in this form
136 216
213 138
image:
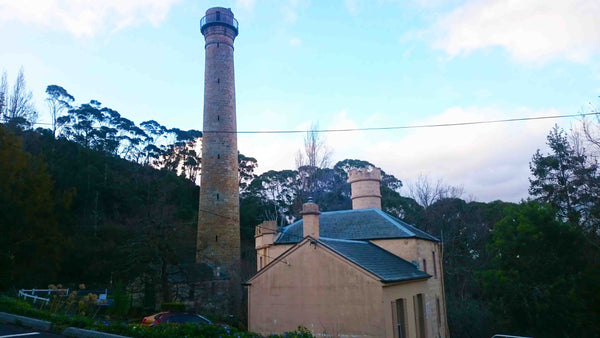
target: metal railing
32 293
218 18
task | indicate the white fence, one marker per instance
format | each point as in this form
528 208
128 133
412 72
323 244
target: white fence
32 293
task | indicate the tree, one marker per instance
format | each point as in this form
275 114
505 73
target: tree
342 168
30 244
313 156
537 265
58 101
566 180
591 129
315 153
277 191
20 110
166 241
426 192
246 167
3 95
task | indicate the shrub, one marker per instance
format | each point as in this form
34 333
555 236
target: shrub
121 301
301 332
60 321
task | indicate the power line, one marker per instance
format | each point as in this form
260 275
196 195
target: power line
417 126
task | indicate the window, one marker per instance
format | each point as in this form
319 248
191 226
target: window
419 315
218 16
434 265
261 263
439 313
401 317
424 265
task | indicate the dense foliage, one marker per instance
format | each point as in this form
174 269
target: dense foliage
533 282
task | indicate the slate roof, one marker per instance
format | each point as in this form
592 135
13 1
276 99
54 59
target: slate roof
359 224
385 265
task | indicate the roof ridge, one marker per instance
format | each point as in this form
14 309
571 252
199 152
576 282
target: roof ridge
417 229
395 222
357 241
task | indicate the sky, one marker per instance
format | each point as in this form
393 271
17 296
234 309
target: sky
339 64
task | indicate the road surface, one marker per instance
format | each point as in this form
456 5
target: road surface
8 330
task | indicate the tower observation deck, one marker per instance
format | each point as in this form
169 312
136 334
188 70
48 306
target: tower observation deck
218 17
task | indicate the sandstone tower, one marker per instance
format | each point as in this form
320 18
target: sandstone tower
365 185
218 242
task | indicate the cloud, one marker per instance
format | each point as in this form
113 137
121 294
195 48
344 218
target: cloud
291 8
531 31
247 4
351 6
295 42
86 18
490 161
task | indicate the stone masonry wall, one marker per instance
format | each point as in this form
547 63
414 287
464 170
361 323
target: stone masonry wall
218 242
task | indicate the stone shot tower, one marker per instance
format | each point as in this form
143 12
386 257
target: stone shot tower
218 242
365 184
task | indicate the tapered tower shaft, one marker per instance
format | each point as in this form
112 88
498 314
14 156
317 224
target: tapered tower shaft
218 241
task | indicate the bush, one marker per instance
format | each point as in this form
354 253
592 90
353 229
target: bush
61 321
120 307
301 332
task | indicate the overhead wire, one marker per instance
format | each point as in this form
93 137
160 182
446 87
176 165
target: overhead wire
416 126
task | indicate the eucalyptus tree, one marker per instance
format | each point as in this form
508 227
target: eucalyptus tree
58 100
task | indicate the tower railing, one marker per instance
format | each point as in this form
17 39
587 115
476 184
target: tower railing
218 18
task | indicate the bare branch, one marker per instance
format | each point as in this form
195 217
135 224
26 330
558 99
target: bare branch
426 192
20 102
316 153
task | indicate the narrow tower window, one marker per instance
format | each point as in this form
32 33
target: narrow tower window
216 238
217 45
218 118
218 80
439 313
218 156
434 265
217 197
218 16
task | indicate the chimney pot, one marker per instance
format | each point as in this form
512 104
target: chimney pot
310 220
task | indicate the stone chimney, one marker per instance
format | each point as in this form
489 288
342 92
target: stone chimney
264 234
366 191
310 219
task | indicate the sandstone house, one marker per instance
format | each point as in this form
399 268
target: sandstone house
349 273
